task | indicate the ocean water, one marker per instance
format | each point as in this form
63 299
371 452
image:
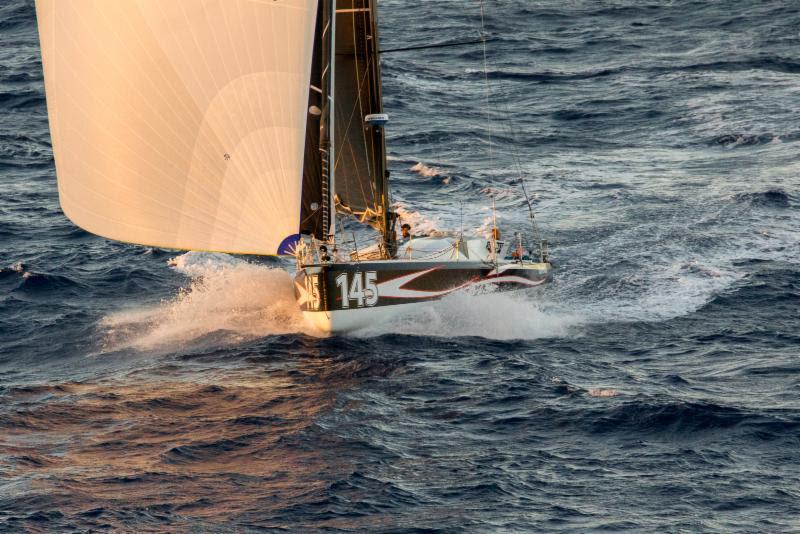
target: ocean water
653 386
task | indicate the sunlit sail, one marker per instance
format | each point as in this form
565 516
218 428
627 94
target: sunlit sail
180 123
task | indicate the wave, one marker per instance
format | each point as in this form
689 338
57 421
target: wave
546 76
652 416
11 76
426 171
22 99
645 415
774 198
782 65
43 282
494 315
772 289
16 269
36 282
205 451
420 224
577 114
659 292
15 14
25 150
502 193
740 140
775 64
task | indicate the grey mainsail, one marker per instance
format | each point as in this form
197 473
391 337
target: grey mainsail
359 166
361 179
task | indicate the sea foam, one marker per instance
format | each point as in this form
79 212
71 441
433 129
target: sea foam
228 301
491 315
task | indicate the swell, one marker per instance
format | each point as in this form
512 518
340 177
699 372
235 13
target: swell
653 416
22 99
778 64
744 139
16 14
32 282
771 198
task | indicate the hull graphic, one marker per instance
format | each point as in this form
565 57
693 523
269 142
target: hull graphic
347 296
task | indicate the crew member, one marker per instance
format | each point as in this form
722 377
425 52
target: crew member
323 254
405 232
518 253
494 245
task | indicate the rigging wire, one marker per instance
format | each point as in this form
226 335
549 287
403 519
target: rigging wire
511 132
361 83
489 129
357 106
488 88
441 45
360 105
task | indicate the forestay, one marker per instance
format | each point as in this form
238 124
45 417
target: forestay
180 123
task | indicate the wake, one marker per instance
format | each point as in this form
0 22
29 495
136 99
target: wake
229 301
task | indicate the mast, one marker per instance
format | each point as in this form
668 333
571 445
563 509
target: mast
379 155
331 126
327 146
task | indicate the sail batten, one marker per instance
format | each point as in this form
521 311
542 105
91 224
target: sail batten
180 124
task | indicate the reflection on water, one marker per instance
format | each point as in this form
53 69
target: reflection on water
160 445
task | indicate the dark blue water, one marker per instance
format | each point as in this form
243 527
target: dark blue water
654 386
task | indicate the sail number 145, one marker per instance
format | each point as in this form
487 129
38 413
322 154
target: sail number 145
361 290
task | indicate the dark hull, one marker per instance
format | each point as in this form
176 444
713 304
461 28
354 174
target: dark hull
351 286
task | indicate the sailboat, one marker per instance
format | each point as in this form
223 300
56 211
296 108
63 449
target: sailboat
251 127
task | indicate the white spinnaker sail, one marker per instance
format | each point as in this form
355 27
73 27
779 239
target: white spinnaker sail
180 123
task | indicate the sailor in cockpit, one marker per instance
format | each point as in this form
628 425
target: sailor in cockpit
405 233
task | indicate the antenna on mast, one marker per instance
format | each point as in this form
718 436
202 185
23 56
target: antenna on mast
507 122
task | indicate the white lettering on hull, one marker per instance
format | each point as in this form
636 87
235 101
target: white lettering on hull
362 289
